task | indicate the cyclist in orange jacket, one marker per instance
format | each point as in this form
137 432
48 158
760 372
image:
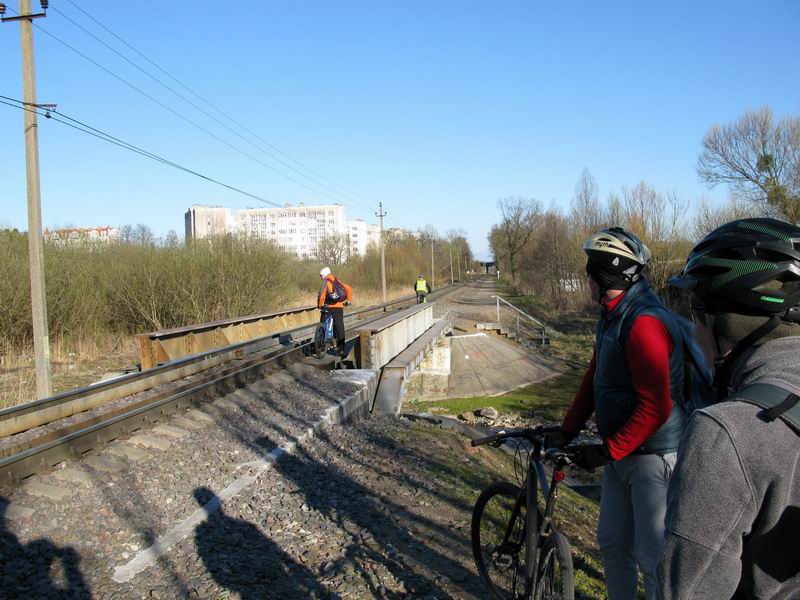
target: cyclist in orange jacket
334 295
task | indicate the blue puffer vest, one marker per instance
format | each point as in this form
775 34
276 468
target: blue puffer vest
614 396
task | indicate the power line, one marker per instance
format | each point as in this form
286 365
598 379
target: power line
338 195
88 129
216 108
176 113
187 100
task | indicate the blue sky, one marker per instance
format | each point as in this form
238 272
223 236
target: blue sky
435 108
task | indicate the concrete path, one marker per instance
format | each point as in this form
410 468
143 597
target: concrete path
486 365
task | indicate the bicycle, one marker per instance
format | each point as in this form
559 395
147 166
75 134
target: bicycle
422 298
323 334
516 564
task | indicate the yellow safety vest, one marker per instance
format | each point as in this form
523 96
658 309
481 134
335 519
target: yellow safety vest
421 286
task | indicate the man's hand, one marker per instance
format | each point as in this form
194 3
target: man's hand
347 302
558 439
591 456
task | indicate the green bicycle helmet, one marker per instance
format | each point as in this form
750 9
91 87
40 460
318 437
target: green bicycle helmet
616 258
748 267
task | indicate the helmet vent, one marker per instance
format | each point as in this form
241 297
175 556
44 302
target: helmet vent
709 271
769 255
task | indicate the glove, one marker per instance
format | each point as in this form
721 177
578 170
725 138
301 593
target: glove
347 302
558 439
591 456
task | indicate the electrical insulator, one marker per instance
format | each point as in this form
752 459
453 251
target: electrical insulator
45 4
2 8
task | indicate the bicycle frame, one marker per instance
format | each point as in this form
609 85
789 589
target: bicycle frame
529 496
328 326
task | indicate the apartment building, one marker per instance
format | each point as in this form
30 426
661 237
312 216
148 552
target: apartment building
361 235
73 236
297 229
203 221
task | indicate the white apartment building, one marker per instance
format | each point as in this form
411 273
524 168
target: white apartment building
206 221
361 235
297 229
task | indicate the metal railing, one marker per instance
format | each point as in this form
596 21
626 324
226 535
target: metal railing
541 329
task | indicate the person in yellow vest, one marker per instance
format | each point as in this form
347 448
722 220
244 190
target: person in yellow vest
422 289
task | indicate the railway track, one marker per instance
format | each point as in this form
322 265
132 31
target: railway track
40 434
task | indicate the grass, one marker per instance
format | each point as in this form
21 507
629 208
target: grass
467 470
547 400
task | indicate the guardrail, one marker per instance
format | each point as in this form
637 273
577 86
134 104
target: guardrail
540 327
159 347
382 339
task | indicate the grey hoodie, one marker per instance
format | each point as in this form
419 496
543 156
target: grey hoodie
733 505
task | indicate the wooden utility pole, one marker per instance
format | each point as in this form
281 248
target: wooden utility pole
450 249
41 341
433 268
458 262
382 214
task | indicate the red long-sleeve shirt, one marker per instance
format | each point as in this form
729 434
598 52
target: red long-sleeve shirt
647 350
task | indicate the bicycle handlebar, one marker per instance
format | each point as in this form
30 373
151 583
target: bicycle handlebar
529 434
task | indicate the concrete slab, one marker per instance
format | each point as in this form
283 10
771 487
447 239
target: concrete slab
105 463
170 431
74 476
199 415
185 423
128 452
12 511
481 365
150 441
45 490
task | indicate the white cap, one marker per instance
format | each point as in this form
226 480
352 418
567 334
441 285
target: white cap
325 272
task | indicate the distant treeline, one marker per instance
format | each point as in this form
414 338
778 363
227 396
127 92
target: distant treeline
143 284
757 157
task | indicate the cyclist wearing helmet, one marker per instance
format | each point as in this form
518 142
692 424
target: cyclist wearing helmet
635 373
733 516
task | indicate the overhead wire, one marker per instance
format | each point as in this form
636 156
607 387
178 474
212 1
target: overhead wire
193 104
88 129
216 108
338 196
176 113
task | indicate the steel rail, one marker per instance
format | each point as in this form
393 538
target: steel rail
76 441
29 456
15 419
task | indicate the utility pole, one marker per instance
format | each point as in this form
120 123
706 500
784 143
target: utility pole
433 268
41 341
459 264
450 248
382 214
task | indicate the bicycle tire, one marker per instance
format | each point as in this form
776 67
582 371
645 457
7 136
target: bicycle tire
320 346
502 570
556 576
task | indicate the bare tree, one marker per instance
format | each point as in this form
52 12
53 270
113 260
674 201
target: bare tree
519 217
334 249
587 214
759 159
708 217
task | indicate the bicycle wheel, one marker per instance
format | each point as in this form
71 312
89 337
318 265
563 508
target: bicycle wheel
502 566
556 576
320 346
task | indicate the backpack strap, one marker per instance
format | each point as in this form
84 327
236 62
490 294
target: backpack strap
775 401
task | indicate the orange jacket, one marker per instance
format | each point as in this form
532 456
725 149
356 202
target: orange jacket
327 288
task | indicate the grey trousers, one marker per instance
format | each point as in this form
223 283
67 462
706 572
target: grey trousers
630 533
